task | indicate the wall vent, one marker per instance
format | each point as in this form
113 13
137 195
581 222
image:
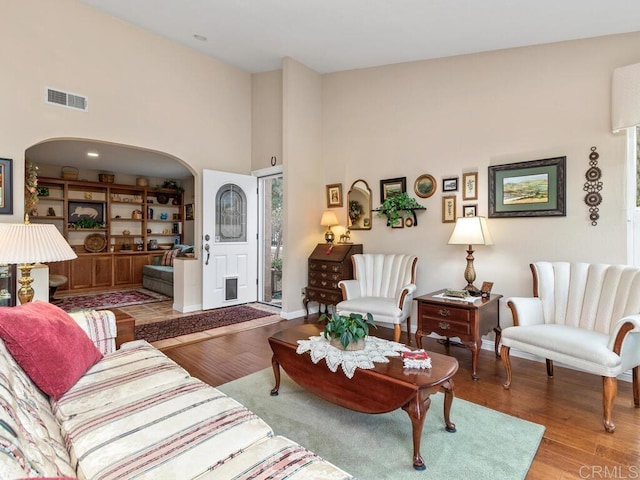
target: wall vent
66 99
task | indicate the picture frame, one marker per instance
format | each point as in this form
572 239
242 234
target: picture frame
425 186
533 188
334 195
392 186
85 210
470 210
449 209
188 211
470 186
399 223
450 184
6 186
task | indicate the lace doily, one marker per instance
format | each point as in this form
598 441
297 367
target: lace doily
375 350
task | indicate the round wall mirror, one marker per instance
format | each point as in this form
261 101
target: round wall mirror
359 206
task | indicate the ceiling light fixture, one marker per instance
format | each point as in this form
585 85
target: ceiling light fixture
93 154
202 38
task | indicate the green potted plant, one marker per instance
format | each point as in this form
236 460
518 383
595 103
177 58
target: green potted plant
347 332
394 207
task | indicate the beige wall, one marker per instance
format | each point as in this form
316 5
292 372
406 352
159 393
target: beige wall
442 117
143 90
462 114
266 119
303 176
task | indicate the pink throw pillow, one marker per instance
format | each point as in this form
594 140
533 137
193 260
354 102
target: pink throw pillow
48 344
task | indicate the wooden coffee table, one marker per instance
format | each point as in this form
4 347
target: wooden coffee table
383 389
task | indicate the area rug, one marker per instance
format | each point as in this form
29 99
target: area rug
219 317
487 445
115 299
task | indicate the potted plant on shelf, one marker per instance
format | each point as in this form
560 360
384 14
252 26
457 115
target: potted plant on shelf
394 207
347 332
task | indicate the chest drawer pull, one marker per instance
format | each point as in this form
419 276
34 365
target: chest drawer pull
444 312
444 325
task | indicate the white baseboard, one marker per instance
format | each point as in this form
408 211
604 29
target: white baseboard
186 308
298 313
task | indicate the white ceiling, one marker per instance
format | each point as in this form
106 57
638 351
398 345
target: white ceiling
334 35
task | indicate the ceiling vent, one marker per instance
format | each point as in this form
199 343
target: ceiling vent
67 99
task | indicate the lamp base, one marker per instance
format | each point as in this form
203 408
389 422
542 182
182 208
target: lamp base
25 293
329 236
473 290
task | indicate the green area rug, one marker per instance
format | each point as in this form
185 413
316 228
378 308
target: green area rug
487 445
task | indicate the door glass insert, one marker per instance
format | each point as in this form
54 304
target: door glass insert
231 214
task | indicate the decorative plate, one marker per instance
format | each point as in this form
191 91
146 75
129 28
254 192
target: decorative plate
94 243
162 198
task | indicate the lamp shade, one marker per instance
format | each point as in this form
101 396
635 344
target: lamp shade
471 231
625 97
329 219
33 243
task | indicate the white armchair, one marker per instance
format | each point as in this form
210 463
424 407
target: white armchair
383 285
585 316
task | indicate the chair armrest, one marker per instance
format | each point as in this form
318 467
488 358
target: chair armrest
407 291
526 310
350 289
100 326
629 324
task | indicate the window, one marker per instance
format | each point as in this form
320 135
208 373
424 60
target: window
231 214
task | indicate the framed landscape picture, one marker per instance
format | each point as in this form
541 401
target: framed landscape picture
425 186
450 184
528 189
392 186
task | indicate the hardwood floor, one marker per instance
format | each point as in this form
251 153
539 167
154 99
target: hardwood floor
575 445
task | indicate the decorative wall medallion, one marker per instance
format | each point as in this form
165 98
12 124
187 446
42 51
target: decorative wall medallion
592 186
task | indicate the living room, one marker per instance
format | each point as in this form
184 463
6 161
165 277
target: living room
443 117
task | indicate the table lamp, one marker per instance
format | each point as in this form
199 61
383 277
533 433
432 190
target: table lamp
26 244
329 219
470 231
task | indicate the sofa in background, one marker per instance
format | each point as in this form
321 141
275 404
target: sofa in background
159 275
586 316
71 410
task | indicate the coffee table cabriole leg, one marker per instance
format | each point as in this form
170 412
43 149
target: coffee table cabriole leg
417 410
276 373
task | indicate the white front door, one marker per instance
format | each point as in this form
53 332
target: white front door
229 230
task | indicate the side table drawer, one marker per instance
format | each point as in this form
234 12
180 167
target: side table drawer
445 328
444 312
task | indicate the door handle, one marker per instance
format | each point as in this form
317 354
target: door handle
206 247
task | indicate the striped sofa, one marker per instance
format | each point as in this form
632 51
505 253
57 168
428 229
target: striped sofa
137 414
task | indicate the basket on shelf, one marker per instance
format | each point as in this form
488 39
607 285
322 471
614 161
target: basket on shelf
69 173
136 215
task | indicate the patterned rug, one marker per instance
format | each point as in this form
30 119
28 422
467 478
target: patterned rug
120 298
220 317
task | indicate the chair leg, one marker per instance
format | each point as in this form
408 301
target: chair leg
409 330
549 368
506 361
397 330
636 386
609 392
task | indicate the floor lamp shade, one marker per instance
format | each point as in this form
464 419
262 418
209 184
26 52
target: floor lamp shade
25 244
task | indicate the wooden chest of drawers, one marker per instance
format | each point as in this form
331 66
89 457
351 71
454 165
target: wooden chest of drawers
328 264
